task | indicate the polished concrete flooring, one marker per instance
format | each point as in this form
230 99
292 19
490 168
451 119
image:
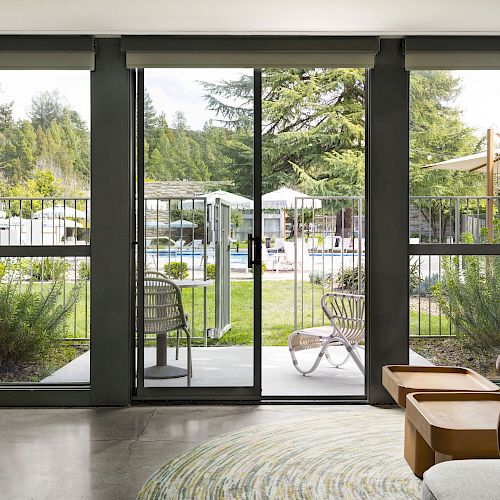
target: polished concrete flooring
108 453
233 366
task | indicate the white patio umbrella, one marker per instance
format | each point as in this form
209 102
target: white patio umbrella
470 163
58 212
284 198
185 224
235 200
486 162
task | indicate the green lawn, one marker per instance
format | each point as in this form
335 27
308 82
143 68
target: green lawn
278 312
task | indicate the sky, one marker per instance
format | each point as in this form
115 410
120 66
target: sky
179 89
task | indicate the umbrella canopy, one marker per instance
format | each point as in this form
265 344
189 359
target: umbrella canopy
469 163
285 198
152 224
16 221
185 224
60 211
235 200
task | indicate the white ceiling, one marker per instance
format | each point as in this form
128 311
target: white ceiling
384 17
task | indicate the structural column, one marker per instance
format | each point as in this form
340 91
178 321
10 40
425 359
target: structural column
111 318
387 214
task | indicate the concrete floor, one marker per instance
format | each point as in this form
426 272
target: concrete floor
109 453
233 366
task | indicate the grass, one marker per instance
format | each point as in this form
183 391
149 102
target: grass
278 312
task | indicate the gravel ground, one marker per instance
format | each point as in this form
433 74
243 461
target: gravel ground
451 352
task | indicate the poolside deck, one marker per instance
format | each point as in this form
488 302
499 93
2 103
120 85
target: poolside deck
233 366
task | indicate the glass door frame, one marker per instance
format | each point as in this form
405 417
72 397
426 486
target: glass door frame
250 393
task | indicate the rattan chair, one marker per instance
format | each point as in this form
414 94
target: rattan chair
164 312
346 313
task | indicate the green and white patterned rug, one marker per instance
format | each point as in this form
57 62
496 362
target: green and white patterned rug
338 455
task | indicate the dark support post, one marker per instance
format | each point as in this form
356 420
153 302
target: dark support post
387 213
111 239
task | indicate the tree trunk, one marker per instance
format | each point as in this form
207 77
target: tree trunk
344 221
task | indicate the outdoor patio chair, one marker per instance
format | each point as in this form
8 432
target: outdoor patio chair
195 245
180 244
279 244
329 243
312 244
164 311
356 245
346 313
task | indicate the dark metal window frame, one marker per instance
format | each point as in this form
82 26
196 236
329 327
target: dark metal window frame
113 148
236 44
25 394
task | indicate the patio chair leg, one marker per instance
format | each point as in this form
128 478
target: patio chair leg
189 359
315 364
177 346
332 362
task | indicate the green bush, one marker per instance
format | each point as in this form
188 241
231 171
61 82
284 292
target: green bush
348 279
469 293
45 269
176 270
210 271
84 270
32 321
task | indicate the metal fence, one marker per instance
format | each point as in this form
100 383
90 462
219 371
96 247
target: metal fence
44 221
329 246
448 219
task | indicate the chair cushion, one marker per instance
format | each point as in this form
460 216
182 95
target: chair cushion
463 480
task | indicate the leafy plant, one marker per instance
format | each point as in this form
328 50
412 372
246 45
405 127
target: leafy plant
84 270
414 277
32 321
211 271
176 270
45 269
349 278
469 296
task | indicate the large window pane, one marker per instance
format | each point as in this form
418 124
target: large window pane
45 202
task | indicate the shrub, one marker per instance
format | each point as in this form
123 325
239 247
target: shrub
319 279
45 269
84 270
414 277
210 271
32 322
348 278
469 294
176 270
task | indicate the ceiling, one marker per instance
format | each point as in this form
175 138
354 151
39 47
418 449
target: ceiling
382 17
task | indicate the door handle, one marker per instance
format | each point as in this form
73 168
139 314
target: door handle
250 251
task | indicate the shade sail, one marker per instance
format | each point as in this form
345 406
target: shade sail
235 200
285 198
469 163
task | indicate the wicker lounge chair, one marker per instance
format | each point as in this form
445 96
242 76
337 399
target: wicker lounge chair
346 313
164 312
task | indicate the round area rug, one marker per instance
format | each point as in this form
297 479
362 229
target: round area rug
339 455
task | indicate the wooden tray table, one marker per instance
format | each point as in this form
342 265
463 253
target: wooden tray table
442 426
401 380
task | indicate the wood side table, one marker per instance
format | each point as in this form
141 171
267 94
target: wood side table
401 380
442 426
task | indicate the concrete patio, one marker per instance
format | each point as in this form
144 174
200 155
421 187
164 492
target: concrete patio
233 366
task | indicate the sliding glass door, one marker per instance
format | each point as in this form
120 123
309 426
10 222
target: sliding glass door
195 209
